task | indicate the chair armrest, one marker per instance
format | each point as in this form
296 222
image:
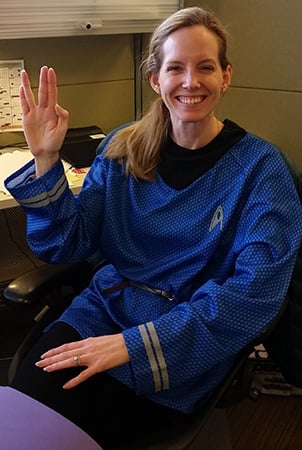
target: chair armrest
31 287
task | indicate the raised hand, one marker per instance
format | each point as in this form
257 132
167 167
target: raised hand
45 122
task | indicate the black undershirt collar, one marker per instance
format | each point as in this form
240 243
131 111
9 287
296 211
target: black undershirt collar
179 167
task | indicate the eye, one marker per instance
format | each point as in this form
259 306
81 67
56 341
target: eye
207 68
173 68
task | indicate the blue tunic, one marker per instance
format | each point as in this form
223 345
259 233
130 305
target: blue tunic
224 246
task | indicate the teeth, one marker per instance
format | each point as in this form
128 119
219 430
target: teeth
190 100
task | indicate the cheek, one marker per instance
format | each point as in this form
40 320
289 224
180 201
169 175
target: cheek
168 84
167 94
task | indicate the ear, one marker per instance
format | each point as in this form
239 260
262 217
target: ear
227 78
154 83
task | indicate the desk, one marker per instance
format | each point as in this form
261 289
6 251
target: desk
75 176
26 424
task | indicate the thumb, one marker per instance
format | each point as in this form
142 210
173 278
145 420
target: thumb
63 116
62 113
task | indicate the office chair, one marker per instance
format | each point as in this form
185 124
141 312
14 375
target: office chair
15 259
53 286
58 284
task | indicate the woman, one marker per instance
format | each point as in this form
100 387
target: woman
200 222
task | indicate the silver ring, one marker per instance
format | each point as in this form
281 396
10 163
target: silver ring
77 360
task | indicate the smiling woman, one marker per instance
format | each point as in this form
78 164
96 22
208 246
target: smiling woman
173 60
191 81
200 223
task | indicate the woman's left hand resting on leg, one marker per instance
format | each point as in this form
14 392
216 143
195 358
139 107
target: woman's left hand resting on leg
96 353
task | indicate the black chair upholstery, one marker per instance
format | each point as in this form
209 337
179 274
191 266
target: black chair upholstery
284 345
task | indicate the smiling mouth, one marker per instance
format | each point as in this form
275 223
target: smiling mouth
191 100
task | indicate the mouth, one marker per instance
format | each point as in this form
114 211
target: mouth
191 100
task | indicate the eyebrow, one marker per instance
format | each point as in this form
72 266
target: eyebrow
203 61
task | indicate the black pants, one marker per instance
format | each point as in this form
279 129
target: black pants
106 409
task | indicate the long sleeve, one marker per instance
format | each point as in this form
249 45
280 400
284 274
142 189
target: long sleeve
61 227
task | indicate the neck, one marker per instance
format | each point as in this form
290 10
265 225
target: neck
192 136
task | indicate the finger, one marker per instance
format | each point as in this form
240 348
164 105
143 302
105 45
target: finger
83 376
27 91
23 102
62 348
62 113
58 362
52 87
43 88
63 116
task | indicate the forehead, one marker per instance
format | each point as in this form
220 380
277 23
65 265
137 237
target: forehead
195 41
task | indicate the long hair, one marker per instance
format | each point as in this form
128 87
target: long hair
139 145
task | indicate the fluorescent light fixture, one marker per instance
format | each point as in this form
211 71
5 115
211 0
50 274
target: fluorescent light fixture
42 18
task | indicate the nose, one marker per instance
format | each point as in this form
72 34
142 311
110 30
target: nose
191 80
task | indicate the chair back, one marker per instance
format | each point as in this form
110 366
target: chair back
284 344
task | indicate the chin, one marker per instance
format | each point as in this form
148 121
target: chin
191 119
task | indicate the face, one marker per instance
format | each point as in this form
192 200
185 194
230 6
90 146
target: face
191 79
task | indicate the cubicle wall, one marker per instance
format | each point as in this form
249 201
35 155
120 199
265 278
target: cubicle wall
265 50
95 76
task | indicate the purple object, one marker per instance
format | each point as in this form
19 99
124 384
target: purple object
26 424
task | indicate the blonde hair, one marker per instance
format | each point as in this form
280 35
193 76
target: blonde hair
138 146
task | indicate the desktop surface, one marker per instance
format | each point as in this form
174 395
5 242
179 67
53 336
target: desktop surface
11 159
26 424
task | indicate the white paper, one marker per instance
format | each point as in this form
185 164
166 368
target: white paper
10 80
10 162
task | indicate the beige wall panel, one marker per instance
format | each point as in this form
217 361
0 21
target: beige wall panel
265 44
148 95
76 59
104 104
265 41
95 76
275 116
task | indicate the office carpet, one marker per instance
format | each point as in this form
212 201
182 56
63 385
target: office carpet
269 423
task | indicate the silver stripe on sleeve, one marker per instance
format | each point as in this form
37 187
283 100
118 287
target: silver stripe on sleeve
155 355
159 353
151 356
45 198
